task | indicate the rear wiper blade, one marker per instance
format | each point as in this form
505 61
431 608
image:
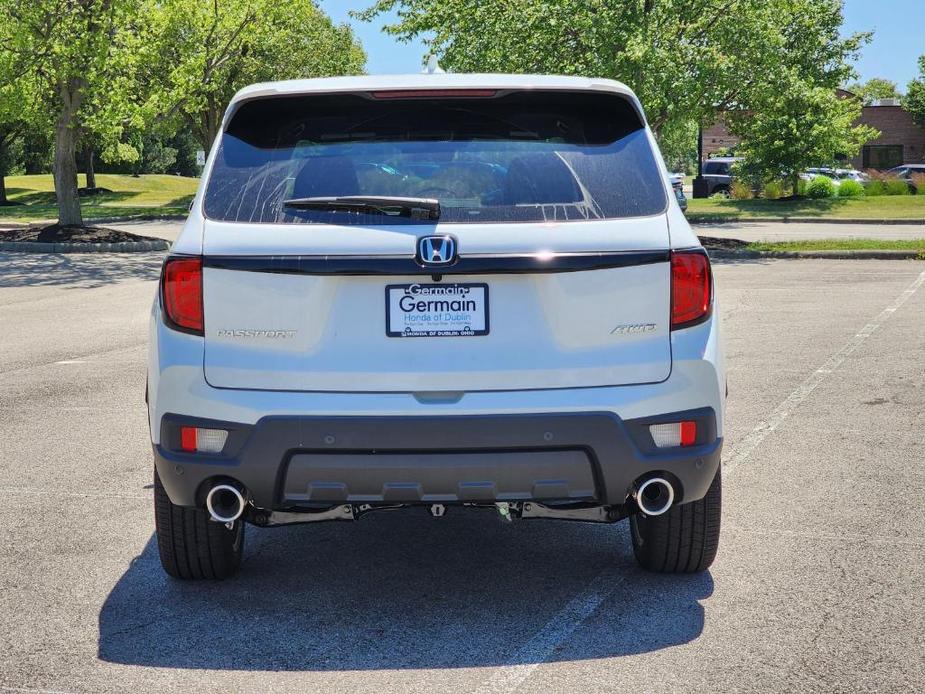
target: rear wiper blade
415 208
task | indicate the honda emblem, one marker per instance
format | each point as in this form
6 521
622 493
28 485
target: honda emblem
436 250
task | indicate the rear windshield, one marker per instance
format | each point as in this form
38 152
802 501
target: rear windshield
516 157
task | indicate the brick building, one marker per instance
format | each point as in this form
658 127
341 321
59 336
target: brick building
901 141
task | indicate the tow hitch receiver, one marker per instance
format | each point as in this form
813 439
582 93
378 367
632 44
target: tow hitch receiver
508 511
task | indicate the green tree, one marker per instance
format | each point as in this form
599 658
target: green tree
70 52
914 101
873 89
685 59
795 129
18 112
797 120
200 53
678 144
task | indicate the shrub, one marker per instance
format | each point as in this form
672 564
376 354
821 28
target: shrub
918 180
896 186
740 190
820 187
850 188
773 190
874 188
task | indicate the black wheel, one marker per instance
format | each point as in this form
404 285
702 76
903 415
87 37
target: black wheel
190 544
683 540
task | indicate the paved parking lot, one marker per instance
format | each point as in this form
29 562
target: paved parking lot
818 586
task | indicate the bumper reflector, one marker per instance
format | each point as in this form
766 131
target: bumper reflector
674 434
196 440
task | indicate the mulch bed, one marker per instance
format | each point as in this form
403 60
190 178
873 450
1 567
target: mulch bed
90 192
56 233
724 244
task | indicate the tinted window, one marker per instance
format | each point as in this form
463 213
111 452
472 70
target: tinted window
716 168
524 156
881 156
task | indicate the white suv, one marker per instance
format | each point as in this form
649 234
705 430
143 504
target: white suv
442 291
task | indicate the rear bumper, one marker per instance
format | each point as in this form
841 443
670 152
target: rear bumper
313 461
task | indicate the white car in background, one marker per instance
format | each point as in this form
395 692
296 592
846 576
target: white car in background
836 175
441 291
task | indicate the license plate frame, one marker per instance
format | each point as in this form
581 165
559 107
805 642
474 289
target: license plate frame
451 325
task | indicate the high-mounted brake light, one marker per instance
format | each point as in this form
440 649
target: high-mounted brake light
181 287
691 288
434 93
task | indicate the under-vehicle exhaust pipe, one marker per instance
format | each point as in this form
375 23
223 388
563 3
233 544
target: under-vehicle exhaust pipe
654 496
225 503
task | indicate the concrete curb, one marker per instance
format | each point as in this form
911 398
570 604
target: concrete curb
726 254
103 220
120 247
707 219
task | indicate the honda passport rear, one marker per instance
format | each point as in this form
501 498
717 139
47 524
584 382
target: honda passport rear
442 291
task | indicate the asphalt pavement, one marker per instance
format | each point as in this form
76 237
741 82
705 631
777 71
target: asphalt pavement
818 585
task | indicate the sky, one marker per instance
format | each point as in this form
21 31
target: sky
898 25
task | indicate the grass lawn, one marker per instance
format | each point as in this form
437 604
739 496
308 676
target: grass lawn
878 207
840 245
130 196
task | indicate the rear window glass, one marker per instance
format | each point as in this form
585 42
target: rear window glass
516 157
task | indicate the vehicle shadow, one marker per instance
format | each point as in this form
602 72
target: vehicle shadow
397 591
77 270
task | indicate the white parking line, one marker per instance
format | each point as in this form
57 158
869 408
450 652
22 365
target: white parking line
747 446
535 651
564 622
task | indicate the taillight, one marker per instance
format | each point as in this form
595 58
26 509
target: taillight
198 440
181 286
691 287
674 434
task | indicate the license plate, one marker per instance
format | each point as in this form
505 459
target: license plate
444 309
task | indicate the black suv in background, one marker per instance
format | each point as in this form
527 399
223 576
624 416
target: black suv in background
905 172
717 172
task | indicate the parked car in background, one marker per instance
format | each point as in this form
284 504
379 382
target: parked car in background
677 184
718 174
852 174
906 172
815 171
836 175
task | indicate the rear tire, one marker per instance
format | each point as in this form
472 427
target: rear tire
191 545
683 540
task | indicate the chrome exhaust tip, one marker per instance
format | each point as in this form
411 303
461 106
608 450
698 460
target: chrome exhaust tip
225 503
654 496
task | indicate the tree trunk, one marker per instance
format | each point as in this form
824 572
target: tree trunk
88 167
211 133
65 150
6 138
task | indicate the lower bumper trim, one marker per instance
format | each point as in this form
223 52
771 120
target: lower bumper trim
317 462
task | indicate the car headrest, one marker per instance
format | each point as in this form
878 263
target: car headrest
540 179
326 177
